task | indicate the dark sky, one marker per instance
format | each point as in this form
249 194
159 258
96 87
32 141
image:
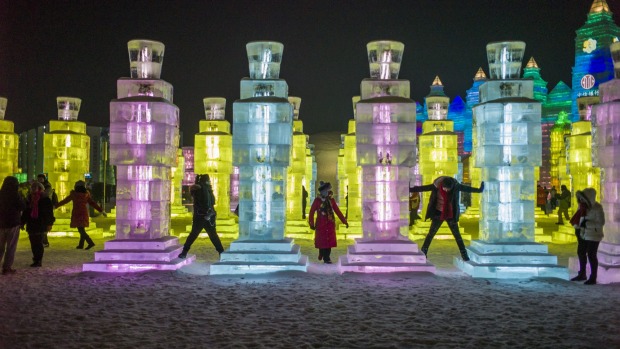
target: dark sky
79 48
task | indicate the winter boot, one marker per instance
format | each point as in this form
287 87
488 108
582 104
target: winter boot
580 277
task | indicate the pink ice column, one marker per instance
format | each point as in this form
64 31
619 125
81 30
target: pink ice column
144 138
605 154
386 151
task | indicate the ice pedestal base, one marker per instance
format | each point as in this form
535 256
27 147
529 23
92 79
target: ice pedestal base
471 212
354 231
510 260
564 235
178 211
420 229
259 257
384 256
608 263
133 255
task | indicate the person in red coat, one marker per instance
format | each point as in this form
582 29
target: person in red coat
325 224
79 214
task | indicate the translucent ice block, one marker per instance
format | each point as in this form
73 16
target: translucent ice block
71 126
509 192
608 135
384 58
507 173
151 154
509 134
442 139
126 87
143 190
437 126
393 133
385 110
142 173
384 191
263 191
145 58
251 155
516 155
505 59
68 108
264 59
509 112
262 110
256 133
3 103
273 230
496 89
497 231
608 156
261 211
610 90
140 110
611 191
397 155
263 88
371 88
262 173
614 49
441 155
151 133
217 126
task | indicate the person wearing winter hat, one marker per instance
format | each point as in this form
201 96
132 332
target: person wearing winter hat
37 217
79 214
443 205
589 224
324 206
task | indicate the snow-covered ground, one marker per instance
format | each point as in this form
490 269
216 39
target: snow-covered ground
59 306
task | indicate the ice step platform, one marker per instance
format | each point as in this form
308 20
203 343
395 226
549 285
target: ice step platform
133 255
259 257
384 256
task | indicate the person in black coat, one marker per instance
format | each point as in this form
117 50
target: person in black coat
443 205
38 217
204 214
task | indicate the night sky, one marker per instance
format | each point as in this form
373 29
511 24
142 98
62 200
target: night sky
79 48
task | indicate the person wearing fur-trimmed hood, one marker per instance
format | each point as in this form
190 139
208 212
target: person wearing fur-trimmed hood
325 223
443 205
590 222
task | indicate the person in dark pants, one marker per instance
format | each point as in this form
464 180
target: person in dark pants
563 204
204 215
443 205
38 216
590 233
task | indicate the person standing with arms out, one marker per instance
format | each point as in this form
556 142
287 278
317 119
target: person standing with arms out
12 205
324 225
563 204
204 215
443 205
590 228
37 217
79 214
51 193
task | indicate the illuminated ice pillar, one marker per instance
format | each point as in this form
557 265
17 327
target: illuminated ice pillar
508 148
310 174
262 138
559 131
189 176
351 206
9 143
438 151
606 152
66 153
144 138
176 187
579 152
213 156
296 224
385 128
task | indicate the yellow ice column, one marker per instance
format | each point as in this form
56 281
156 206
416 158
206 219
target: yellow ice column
559 131
297 168
9 143
352 205
582 173
66 149
176 188
310 174
213 153
438 144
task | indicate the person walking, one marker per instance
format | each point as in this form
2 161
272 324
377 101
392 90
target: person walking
324 206
204 215
79 214
563 204
51 193
588 221
443 205
12 205
38 217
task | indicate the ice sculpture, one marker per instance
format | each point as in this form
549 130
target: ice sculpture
508 148
385 129
606 151
213 156
189 176
263 129
557 110
296 223
9 144
66 152
176 187
144 138
438 151
579 151
350 183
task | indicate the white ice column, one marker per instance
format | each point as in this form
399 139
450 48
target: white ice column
508 144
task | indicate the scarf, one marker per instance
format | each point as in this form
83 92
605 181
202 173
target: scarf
34 204
326 208
581 212
446 212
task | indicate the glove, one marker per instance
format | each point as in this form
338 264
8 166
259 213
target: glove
482 186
